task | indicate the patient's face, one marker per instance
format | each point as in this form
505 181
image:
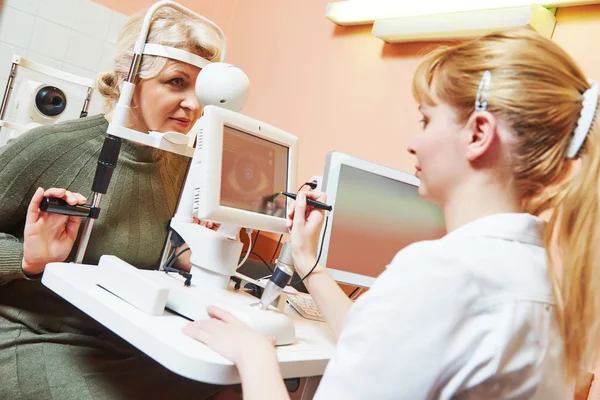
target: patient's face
167 102
439 151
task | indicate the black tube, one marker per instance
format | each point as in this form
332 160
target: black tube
107 162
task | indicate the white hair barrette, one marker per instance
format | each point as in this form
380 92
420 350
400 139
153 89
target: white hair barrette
590 103
481 101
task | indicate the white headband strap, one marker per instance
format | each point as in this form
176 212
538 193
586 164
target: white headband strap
590 103
173 53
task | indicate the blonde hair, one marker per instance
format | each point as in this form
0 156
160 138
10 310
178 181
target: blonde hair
538 90
169 27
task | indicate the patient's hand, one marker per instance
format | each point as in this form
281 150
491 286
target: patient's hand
48 237
210 225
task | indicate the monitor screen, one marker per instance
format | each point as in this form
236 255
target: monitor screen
374 218
254 171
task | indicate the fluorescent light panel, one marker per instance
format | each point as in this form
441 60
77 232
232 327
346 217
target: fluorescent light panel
360 12
464 24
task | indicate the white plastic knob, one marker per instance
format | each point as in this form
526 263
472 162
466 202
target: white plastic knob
222 85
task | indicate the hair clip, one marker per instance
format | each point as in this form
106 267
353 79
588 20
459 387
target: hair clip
586 118
481 101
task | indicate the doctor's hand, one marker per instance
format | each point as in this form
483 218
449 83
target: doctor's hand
230 337
48 237
304 223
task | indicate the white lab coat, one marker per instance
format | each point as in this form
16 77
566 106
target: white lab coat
469 316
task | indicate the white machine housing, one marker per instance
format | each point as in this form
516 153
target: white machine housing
207 165
215 255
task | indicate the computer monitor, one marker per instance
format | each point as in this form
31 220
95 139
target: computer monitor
240 166
377 212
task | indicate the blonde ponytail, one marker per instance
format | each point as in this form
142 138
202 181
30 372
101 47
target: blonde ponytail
574 230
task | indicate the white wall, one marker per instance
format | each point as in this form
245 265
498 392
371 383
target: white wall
77 36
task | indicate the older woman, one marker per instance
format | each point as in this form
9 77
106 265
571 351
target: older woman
48 348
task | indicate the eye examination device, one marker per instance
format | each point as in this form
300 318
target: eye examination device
282 275
236 163
40 95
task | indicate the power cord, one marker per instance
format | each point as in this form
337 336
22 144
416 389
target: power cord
170 256
312 184
276 248
318 257
172 260
255 241
263 260
250 247
168 267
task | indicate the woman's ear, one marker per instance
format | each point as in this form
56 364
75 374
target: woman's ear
482 129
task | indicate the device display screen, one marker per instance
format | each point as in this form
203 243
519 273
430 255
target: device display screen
254 172
374 218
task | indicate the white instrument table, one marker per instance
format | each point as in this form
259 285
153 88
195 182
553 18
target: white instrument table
161 338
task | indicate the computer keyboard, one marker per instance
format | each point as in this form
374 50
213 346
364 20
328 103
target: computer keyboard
304 304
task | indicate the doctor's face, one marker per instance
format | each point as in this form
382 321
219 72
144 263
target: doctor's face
167 101
437 148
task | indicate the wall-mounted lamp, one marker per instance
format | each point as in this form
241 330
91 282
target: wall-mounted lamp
464 24
401 21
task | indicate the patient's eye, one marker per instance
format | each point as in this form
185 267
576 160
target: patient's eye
177 83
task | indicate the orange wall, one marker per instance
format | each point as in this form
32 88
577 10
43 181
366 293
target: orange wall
343 89
577 30
335 88
340 88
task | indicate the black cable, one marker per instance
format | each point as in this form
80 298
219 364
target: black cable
354 291
169 268
318 257
261 259
276 248
255 240
172 252
170 256
176 241
312 184
172 261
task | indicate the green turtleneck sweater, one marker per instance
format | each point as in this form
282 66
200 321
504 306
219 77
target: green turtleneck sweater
48 348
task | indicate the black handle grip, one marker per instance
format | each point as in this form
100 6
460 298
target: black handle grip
107 162
59 206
